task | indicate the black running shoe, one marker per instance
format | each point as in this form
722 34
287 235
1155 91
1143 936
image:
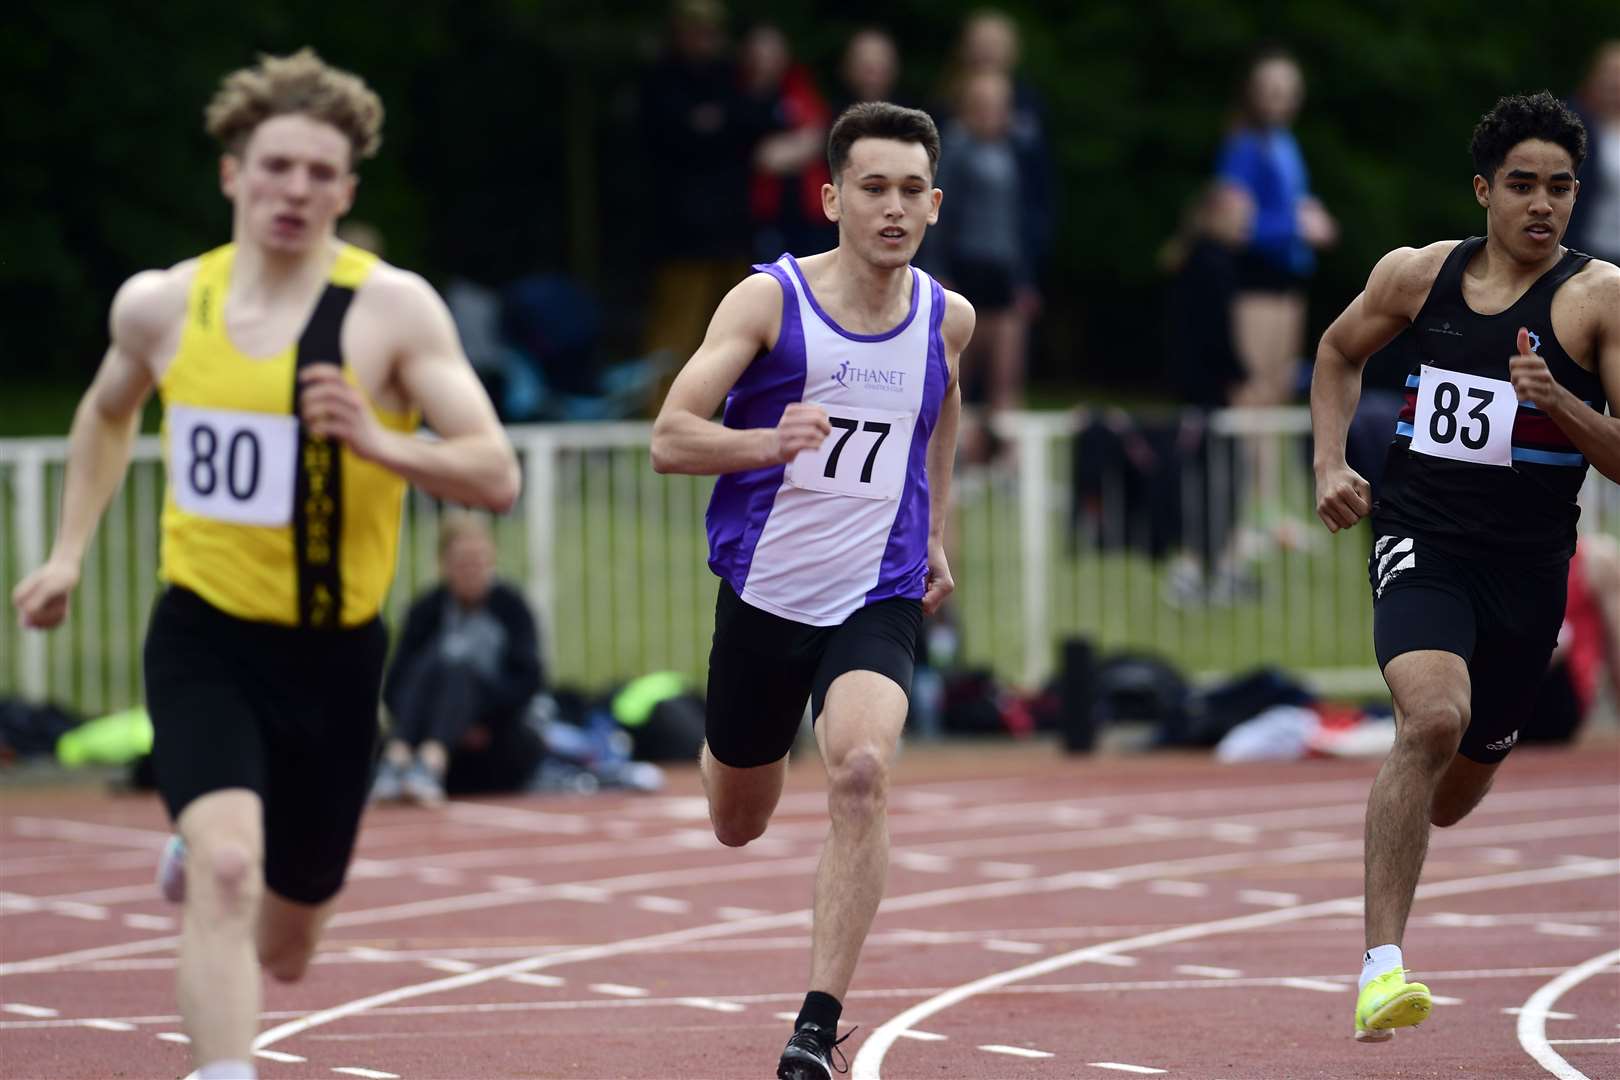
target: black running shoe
809 1055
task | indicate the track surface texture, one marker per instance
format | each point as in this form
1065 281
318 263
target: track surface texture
1046 917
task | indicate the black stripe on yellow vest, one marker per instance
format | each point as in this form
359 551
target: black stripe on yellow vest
318 496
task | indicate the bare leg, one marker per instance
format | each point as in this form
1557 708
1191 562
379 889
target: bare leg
219 973
741 801
1004 335
1431 691
288 933
859 731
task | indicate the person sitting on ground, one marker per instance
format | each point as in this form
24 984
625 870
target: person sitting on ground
467 667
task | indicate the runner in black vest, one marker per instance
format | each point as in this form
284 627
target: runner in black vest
1518 347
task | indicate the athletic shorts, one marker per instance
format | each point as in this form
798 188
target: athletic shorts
1502 618
288 713
762 669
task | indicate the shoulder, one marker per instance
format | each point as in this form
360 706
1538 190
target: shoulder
148 305
1406 275
957 326
1596 288
755 301
397 290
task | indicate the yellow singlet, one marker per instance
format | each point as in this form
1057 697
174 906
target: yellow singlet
259 519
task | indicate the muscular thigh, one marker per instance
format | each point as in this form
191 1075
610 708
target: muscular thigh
760 672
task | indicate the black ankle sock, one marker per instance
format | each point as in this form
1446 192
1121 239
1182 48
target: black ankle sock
822 1010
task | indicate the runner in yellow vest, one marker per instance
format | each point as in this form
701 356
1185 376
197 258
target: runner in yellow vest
293 370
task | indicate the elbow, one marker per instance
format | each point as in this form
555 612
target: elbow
661 452
500 493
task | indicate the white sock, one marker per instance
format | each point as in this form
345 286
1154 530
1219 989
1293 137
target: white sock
1377 960
228 1070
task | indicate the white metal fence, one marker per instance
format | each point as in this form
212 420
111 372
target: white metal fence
1048 544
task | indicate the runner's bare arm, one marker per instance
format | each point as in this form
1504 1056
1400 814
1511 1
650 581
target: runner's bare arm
103 432
1595 435
1393 296
471 462
685 438
957 330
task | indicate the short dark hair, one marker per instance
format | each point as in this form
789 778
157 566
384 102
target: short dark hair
880 120
1525 116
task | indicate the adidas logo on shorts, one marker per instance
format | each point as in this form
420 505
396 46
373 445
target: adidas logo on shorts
1503 744
1389 552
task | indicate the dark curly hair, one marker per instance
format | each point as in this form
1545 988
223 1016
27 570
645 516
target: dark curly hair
1519 117
880 120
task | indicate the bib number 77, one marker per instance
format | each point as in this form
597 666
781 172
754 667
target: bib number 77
1464 417
865 456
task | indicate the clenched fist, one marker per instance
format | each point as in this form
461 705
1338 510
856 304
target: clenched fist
802 427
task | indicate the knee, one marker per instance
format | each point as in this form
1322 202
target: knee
1432 734
231 873
736 830
859 785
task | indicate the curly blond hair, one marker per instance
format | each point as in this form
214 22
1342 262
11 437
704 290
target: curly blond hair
301 83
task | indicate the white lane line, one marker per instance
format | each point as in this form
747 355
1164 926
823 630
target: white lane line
789 1016
921 861
369 1074
1557 929
447 964
510 817
107 1025
589 894
1015 1051
1026 948
1178 888
37 1011
174 1036
1549 1014
923 1036
1111 960
74 910
89 832
667 905
1267 898
507 881
1503 856
438 875
138 921
618 990
712 1004
868 1061
1442 999
729 913
1582 1042
277 1055
993 869
531 979
1320 985
1121 1067
1532 1026
1234 833
1212 972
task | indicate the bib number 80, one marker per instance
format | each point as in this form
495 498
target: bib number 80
241 463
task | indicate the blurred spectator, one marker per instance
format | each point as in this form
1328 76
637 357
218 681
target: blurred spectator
990 43
978 245
790 165
1594 225
1201 350
1588 651
1261 158
871 70
462 678
700 129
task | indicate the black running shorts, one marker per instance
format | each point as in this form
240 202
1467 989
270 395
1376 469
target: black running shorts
1502 618
762 669
288 713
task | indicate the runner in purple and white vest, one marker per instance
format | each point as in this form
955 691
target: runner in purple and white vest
826 527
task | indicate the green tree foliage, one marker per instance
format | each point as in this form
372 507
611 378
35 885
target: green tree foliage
510 139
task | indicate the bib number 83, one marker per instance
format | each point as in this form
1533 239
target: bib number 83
1443 424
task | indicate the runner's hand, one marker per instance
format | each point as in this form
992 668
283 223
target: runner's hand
1343 497
939 582
334 408
1531 379
41 598
802 427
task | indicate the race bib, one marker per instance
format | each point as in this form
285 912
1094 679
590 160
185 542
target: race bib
865 455
1464 417
233 466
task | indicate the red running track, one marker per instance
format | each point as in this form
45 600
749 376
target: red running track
1046 918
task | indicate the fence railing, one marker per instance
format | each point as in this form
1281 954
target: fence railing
1194 539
